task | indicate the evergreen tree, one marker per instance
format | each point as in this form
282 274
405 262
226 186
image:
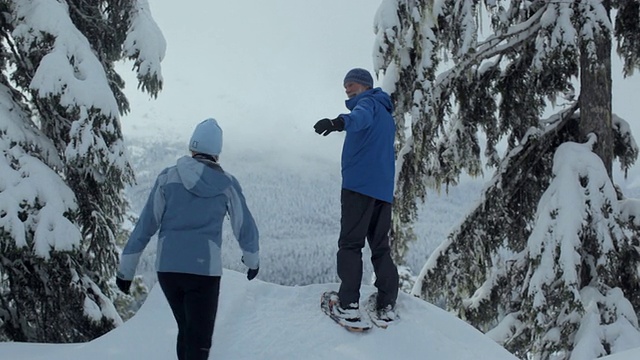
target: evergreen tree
405 53
64 166
547 262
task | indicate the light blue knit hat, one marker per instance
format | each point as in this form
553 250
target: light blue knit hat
207 138
360 76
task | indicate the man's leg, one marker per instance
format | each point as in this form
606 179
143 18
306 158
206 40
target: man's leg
354 222
386 271
171 287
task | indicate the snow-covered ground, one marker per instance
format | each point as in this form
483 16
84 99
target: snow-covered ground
259 320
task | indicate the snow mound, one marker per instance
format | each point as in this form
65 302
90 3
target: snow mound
259 320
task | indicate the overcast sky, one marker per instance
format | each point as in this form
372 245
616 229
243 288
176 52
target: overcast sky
269 70
266 70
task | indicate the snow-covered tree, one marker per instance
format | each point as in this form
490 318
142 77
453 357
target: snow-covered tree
63 161
547 263
406 54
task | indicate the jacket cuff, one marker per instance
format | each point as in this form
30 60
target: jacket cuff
251 260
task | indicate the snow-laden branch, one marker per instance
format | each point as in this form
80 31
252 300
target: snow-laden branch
70 69
16 126
28 183
574 204
495 45
146 46
35 186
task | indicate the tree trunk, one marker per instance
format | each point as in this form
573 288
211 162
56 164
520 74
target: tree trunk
595 96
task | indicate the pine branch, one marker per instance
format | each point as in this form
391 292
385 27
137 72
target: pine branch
501 215
521 158
496 45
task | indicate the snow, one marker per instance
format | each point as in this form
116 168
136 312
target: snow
630 208
632 354
71 69
259 320
386 17
31 184
145 41
17 126
257 93
572 162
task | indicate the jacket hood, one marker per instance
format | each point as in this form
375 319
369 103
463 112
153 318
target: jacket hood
377 93
201 177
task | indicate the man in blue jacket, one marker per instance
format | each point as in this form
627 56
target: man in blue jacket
368 171
187 206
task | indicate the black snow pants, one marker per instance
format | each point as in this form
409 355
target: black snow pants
365 217
194 302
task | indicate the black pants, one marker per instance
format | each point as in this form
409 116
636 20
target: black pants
194 302
365 217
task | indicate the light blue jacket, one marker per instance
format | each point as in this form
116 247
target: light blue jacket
187 205
368 157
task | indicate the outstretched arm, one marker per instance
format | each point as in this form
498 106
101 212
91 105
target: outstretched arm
360 117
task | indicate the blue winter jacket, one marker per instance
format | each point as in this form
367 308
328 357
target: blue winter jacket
187 205
368 158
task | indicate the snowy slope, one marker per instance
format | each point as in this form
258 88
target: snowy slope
259 320
632 354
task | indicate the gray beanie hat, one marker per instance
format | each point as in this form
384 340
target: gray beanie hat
360 76
207 138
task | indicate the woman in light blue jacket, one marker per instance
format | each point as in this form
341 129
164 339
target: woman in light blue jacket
187 206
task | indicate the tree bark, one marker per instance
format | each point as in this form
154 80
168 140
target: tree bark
595 96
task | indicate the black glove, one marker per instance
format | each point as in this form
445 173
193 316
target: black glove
123 285
327 126
252 273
